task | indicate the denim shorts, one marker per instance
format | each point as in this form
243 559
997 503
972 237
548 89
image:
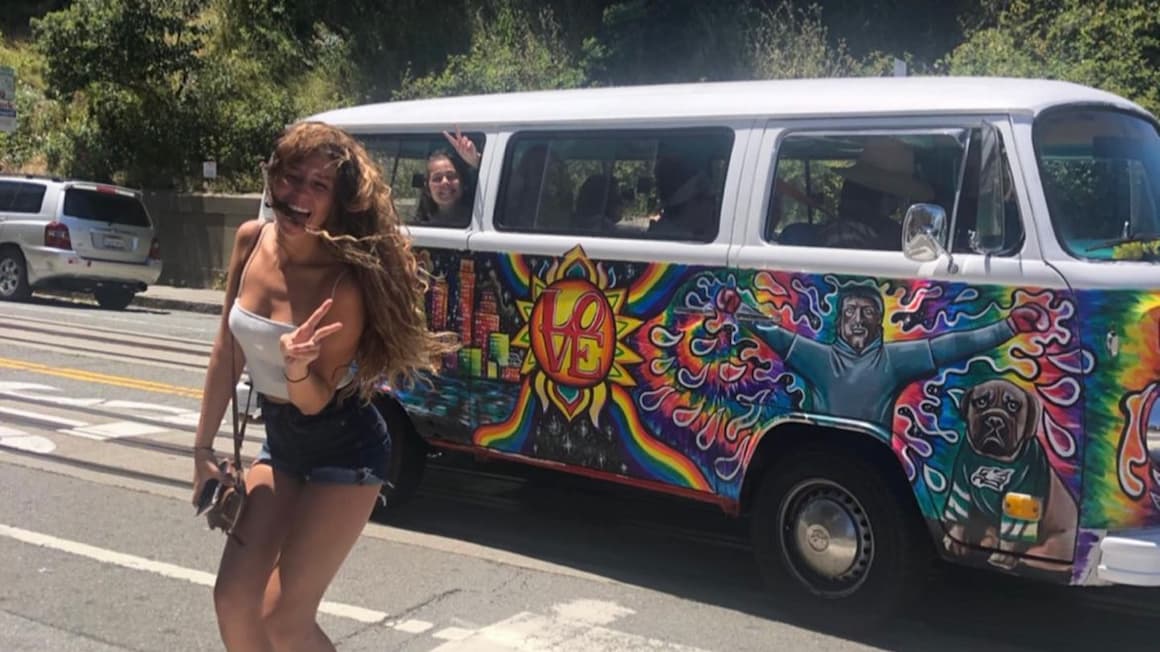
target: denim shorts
346 443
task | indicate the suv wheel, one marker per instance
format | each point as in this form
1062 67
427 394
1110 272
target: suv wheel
113 298
13 275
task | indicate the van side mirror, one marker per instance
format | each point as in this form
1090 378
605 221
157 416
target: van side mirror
989 234
418 179
924 229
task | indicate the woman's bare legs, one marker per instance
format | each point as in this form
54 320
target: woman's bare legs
328 519
271 503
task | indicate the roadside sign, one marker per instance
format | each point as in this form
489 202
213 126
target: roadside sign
7 99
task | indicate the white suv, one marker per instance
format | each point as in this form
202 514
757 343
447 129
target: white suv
77 236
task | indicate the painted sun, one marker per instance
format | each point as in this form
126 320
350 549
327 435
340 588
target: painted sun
575 333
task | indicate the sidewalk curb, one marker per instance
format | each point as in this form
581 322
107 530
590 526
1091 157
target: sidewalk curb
177 304
141 301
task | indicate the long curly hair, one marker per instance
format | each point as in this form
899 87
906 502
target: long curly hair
365 233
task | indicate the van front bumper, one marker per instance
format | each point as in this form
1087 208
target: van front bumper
1131 557
60 268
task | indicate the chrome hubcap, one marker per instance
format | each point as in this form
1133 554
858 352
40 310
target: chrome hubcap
9 276
826 537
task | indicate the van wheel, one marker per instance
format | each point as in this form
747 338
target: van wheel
113 298
408 458
13 275
837 541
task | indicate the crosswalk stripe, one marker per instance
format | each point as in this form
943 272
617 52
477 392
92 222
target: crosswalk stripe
40 417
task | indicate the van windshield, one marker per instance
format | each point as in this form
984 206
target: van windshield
1101 177
104 207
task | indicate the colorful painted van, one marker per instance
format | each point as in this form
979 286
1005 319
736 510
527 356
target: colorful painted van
883 319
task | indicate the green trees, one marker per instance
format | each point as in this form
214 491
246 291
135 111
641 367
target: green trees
141 91
123 76
513 51
1108 44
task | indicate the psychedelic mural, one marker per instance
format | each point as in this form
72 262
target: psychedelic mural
1122 329
673 374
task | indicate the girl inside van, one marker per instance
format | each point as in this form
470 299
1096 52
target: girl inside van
449 186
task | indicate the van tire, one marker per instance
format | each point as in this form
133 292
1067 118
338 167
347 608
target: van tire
854 587
13 275
114 298
408 458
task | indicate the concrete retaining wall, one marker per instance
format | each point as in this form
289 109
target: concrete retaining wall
197 234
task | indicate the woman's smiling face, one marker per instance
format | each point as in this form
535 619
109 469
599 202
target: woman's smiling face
304 195
443 182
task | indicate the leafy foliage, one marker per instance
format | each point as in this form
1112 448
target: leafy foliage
791 43
510 52
1109 44
141 91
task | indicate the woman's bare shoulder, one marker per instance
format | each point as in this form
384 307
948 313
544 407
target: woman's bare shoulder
347 290
247 233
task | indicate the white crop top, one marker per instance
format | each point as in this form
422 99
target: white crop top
258 337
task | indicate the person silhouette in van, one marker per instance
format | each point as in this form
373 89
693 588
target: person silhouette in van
879 183
859 376
538 195
687 202
598 205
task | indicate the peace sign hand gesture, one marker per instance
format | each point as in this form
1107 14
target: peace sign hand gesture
301 346
464 146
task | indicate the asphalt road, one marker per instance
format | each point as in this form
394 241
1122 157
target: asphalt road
100 550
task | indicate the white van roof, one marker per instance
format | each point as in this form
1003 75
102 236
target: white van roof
775 98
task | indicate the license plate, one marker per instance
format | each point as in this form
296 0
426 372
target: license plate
113 242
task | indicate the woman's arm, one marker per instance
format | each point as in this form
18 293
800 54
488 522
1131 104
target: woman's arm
318 353
465 147
224 370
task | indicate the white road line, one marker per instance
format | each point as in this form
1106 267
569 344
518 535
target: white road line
40 417
170 571
414 626
453 633
20 440
575 626
117 429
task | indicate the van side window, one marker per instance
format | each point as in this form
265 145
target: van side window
852 191
18 197
656 184
430 182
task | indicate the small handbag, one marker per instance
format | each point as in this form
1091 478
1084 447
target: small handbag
230 498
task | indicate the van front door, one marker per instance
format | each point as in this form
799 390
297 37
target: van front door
1100 174
965 364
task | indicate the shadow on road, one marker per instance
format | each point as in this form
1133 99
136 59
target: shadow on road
697 553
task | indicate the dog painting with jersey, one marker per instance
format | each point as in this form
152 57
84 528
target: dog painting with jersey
1002 454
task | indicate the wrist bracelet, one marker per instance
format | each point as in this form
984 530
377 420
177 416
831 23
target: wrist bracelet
295 380
204 448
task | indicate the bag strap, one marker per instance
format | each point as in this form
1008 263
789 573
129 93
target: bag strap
240 431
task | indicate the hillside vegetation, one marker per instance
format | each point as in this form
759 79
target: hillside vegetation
140 92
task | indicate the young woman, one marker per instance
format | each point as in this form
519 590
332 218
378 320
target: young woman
322 304
449 189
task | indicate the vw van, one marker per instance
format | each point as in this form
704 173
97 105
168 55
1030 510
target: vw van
885 320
